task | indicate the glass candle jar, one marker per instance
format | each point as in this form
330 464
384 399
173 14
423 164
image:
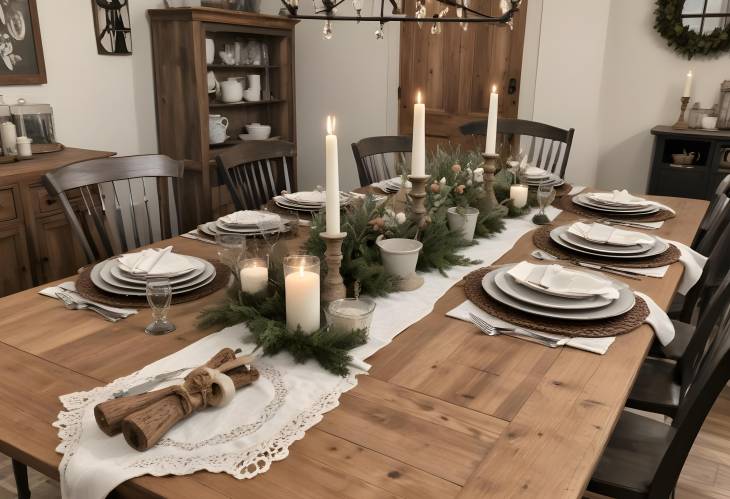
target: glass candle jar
254 275
349 314
301 290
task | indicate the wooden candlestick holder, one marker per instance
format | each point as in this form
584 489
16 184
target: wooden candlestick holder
681 124
418 197
490 166
334 286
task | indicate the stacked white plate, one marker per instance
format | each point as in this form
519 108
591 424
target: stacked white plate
534 176
600 247
392 185
531 297
114 278
601 201
310 201
247 223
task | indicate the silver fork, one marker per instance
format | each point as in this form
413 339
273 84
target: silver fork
491 330
71 304
625 223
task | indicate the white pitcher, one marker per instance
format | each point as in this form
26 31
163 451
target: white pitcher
217 128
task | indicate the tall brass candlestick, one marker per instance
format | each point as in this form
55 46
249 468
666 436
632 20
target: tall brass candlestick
334 286
490 166
418 195
681 124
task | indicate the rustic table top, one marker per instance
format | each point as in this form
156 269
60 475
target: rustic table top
445 411
43 163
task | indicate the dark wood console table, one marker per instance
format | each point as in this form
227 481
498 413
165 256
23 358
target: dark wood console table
697 180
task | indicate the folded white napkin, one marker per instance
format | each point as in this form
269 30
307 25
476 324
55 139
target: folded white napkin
194 234
534 171
577 189
559 279
624 198
658 320
156 263
70 289
693 264
605 234
595 345
251 217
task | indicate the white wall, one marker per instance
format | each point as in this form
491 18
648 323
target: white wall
642 84
99 102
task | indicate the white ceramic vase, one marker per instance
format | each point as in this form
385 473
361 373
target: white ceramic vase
465 222
399 256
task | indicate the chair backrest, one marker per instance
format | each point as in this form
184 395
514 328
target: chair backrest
256 171
706 235
377 158
125 202
711 379
549 146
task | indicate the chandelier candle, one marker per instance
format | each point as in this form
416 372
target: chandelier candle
418 154
332 178
491 145
301 288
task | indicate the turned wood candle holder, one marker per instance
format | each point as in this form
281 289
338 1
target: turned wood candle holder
418 197
489 200
334 286
681 124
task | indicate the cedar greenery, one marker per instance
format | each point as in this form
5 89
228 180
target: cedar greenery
684 40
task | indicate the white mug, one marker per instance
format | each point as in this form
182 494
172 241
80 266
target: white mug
232 90
709 122
254 81
217 127
209 50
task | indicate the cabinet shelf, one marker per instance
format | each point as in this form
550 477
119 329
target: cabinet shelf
218 105
241 66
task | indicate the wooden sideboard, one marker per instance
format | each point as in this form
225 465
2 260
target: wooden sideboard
36 241
184 103
698 180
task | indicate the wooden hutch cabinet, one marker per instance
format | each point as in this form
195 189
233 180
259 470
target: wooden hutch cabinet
184 103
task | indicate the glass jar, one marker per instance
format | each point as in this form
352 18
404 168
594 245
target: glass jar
302 291
34 121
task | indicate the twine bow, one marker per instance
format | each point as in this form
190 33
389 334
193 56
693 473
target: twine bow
215 389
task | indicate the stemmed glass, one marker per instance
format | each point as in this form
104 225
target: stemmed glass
545 196
159 296
231 248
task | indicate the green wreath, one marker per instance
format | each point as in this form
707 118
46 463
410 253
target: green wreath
683 40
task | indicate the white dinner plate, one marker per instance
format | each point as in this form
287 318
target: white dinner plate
101 283
609 249
582 201
507 284
122 276
659 248
619 306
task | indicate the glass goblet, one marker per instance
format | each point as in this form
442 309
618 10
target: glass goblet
159 296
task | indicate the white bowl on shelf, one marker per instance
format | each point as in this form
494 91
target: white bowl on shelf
257 131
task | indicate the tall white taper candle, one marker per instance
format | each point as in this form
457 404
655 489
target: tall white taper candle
688 85
332 178
418 154
491 145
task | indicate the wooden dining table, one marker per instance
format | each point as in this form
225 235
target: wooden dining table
445 410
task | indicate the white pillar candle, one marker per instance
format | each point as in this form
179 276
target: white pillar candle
301 288
418 153
688 85
254 275
518 195
332 178
491 145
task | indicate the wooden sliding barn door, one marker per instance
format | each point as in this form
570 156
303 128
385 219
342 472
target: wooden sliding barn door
455 71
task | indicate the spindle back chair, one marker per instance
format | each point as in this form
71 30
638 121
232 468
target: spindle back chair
378 158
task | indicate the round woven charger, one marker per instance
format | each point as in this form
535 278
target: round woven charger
622 324
566 203
88 289
541 239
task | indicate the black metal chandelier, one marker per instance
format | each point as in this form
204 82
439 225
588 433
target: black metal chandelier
327 12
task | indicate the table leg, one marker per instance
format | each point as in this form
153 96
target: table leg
21 479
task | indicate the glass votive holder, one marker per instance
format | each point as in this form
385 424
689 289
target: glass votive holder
349 314
301 290
518 194
254 274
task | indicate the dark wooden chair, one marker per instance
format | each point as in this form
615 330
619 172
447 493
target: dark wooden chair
661 383
644 457
255 172
549 146
712 221
127 202
377 158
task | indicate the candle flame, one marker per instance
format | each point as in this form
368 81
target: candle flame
690 73
494 89
418 97
330 125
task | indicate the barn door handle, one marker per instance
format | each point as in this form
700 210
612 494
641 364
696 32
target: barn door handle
512 87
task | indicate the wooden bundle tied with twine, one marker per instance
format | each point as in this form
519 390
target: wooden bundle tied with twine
144 419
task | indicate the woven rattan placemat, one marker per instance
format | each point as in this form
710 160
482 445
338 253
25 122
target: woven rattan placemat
622 324
566 203
541 239
88 290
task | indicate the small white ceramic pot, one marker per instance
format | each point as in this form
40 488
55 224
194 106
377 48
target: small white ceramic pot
709 122
465 223
399 256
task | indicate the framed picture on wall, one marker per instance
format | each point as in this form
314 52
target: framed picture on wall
21 50
112 27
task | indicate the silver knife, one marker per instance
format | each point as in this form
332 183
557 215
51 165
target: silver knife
150 383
